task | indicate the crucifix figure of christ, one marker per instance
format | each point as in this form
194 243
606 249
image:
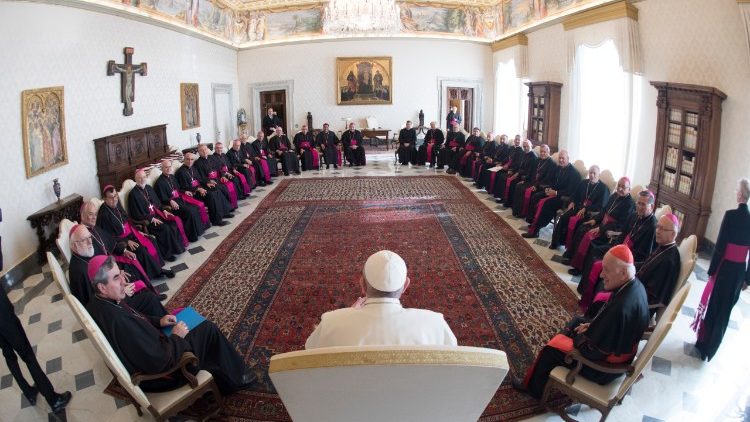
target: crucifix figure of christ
127 73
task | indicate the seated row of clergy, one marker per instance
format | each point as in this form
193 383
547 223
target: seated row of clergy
591 220
439 149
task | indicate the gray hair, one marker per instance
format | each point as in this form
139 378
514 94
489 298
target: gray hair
649 195
101 276
594 167
743 187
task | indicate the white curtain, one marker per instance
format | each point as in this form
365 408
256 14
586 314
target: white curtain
745 13
511 100
623 32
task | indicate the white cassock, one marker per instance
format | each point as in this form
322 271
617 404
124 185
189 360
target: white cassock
381 321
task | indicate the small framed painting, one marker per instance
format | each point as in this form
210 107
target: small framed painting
364 80
43 132
190 106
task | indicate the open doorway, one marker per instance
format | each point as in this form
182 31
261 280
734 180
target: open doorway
463 99
276 100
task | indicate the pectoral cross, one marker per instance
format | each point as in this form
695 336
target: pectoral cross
127 73
151 208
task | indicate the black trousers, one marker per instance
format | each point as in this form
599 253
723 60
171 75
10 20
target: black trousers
15 344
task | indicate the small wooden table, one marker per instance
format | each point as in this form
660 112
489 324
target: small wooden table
49 217
372 134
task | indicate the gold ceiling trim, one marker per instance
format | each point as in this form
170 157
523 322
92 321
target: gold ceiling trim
512 41
743 1
274 5
451 3
620 9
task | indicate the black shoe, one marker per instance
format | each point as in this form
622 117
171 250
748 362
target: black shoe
335 166
162 297
530 235
230 215
167 273
222 223
170 258
270 182
328 166
565 261
351 165
31 395
432 165
553 246
61 401
297 172
574 272
286 174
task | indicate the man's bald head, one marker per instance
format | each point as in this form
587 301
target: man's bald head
203 151
667 229
616 272
140 177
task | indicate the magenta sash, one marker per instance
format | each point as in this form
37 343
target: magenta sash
177 221
526 199
732 253
608 219
338 157
464 158
469 147
429 152
583 248
253 177
538 212
213 175
245 185
304 145
134 262
194 183
224 169
628 242
453 144
491 185
475 165
201 207
282 147
588 296
143 240
353 142
232 192
572 225
316 158
266 170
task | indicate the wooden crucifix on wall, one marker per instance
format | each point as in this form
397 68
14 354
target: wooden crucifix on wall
127 73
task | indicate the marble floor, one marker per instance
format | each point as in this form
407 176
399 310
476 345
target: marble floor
676 386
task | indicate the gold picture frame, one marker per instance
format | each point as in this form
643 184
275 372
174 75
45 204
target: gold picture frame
364 80
190 106
43 130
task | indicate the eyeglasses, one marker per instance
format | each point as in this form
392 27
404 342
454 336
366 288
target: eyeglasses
84 240
660 227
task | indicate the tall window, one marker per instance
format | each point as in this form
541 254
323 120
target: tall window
602 110
510 101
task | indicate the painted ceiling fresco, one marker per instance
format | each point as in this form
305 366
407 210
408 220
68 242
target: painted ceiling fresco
248 23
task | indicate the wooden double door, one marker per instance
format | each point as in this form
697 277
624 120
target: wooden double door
277 101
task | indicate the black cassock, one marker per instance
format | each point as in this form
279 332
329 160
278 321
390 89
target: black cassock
112 221
261 149
543 176
306 155
237 161
205 168
281 149
659 274
613 335
473 145
407 154
105 244
435 138
167 189
487 154
248 154
449 153
221 164
218 205
143 347
589 197
270 123
518 171
331 143
543 208
729 271
142 205
355 156
144 301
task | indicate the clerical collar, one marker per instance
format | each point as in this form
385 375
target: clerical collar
382 300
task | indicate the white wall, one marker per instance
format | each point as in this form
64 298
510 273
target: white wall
699 42
46 45
417 65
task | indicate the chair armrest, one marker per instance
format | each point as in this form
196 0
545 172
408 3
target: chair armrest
140 225
186 359
609 368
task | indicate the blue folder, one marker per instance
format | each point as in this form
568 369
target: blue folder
189 316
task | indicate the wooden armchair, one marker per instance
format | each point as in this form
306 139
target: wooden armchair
688 256
605 397
124 192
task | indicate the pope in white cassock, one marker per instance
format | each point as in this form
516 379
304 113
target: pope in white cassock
379 318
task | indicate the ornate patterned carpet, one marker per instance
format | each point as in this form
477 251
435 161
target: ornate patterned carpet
301 252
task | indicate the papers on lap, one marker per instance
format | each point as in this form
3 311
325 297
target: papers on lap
495 169
189 316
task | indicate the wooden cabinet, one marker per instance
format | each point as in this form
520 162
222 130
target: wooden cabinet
688 131
117 156
544 113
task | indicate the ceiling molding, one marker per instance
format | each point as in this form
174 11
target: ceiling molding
743 1
512 41
621 9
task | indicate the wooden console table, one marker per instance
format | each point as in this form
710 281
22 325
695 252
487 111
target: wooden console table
372 134
49 217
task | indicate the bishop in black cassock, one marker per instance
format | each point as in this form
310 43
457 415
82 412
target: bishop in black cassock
433 141
282 150
241 162
142 346
207 172
407 142
489 150
223 164
192 183
518 171
543 177
353 146
304 142
553 197
270 122
168 191
328 143
449 153
143 205
469 152
587 201
262 155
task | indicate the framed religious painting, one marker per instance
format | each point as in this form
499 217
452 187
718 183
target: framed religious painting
43 131
364 80
190 106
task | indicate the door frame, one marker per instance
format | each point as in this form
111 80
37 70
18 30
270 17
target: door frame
223 89
254 92
476 107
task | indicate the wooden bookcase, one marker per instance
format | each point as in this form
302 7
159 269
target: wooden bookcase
688 131
544 113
